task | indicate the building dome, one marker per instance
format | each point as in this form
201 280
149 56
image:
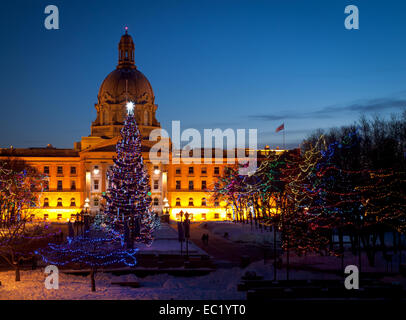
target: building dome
126 84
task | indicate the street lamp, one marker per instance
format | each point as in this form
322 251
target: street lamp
87 205
166 206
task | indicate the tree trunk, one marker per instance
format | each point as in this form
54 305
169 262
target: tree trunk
400 249
368 250
274 251
17 273
92 281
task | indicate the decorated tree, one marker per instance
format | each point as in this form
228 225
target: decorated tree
128 200
96 249
20 191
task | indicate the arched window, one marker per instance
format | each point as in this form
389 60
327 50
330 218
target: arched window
59 203
191 202
156 202
72 202
46 202
178 202
204 202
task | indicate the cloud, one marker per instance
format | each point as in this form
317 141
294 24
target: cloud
366 106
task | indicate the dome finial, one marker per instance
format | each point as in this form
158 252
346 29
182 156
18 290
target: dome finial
126 29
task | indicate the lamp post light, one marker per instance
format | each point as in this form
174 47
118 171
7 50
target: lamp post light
87 205
166 210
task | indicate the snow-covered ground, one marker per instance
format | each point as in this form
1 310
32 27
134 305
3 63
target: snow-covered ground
237 232
218 285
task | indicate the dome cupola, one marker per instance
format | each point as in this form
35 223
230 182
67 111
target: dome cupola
126 51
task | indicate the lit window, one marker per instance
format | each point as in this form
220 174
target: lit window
46 202
178 202
204 171
178 171
156 202
204 202
156 184
216 216
72 202
46 170
59 170
191 171
191 186
191 202
96 202
96 184
73 185
59 203
216 170
178 185
59 216
204 185
59 186
72 170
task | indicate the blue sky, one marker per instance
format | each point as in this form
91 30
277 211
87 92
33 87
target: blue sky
224 63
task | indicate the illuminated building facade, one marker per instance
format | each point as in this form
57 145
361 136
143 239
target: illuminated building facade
77 177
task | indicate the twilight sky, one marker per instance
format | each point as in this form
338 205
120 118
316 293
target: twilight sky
212 63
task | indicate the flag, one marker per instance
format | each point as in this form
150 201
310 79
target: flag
280 128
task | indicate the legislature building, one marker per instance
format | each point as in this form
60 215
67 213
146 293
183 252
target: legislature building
77 177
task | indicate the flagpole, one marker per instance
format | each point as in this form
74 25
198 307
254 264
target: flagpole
284 139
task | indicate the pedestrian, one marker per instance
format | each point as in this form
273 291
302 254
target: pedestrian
204 238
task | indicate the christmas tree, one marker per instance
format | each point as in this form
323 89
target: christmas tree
128 201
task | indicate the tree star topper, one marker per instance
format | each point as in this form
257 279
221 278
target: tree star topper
130 107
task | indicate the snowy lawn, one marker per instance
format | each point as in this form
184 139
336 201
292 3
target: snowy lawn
219 285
